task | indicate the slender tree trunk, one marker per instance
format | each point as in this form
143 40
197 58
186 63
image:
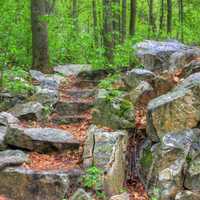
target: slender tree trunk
95 26
181 18
40 55
108 30
75 14
169 16
152 26
116 20
133 11
123 21
162 10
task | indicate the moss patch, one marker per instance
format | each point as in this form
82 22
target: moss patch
147 158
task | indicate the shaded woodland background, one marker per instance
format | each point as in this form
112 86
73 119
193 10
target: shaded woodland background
98 32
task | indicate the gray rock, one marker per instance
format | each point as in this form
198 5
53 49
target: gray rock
24 184
46 96
124 196
30 110
176 110
133 77
187 195
41 139
37 75
81 194
191 68
192 179
116 113
72 69
12 158
162 165
3 132
7 119
181 58
107 151
155 55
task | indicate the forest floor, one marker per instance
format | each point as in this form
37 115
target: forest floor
73 159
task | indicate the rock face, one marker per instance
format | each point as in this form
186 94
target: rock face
81 194
162 166
176 110
12 158
30 110
124 196
72 69
155 55
30 184
116 113
107 151
40 139
187 195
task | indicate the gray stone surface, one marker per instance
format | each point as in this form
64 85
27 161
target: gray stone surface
123 196
3 132
155 55
41 139
12 158
116 113
23 184
30 110
187 195
107 150
81 194
72 69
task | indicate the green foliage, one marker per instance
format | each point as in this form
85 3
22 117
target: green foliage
17 81
92 179
108 82
146 161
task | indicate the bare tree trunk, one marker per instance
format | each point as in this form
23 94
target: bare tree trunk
133 11
75 14
162 10
108 30
40 55
116 20
95 26
152 26
169 16
123 22
181 18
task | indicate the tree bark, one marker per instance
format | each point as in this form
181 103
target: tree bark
181 18
40 54
152 26
169 16
133 11
75 14
108 30
123 23
95 26
162 9
116 20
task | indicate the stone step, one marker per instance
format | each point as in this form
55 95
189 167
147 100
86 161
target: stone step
72 107
42 140
71 119
81 93
19 183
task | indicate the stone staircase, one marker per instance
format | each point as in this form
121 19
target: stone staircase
19 181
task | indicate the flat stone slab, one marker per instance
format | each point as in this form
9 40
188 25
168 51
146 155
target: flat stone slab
24 184
41 139
72 69
3 131
12 158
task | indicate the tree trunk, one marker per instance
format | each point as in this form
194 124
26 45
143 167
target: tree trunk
169 16
108 30
40 55
162 9
95 26
75 14
116 20
152 26
133 11
181 18
123 23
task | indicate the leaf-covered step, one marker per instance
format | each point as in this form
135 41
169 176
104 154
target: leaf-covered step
73 107
81 93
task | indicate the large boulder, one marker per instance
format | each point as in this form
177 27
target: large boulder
81 194
123 196
40 139
72 69
31 110
155 55
107 150
187 195
176 110
163 165
25 184
12 158
114 112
